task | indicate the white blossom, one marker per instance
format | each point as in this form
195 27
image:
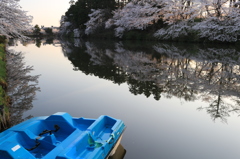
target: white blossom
13 20
64 26
97 19
138 14
76 33
175 11
217 21
174 31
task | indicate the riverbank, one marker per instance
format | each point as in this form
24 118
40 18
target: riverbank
3 75
149 35
4 99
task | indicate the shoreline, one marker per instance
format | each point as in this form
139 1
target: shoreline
145 35
4 99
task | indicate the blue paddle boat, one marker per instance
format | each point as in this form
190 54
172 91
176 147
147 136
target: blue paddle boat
61 136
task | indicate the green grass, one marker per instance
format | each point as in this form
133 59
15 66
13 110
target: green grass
3 73
4 99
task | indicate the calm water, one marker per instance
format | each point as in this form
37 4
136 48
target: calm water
178 101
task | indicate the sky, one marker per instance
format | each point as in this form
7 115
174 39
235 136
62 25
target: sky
45 12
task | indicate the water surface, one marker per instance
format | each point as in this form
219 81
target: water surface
178 101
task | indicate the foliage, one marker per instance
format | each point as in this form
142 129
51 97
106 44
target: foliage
2 66
36 30
4 113
13 20
226 29
138 14
2 39
65 26
49 31
201 20
77 15
97 19
4 119
209 20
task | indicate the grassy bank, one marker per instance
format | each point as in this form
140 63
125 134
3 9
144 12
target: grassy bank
2 73
4 100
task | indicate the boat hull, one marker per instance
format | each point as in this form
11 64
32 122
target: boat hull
61 136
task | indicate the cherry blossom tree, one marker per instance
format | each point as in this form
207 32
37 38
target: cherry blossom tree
98 17
213 20
180 16
213 29
180 10
13 20
65 26
137 14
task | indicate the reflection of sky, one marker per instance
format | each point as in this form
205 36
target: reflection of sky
164 129
45 12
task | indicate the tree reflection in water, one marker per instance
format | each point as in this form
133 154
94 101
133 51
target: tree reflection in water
22 87
212 73
184 71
